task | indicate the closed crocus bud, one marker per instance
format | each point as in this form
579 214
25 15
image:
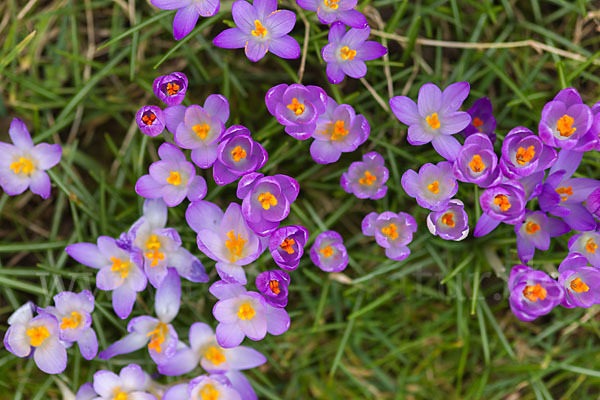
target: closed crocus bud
593 203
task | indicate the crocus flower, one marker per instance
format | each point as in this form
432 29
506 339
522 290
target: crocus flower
581 282
592 204
86 392
535 232
587 244
523 154
339 130
392 231
188 12
225 238
347 52
266 200
73 311
237 155
131 383
435 117
260 28
476 162
451 223
433 186
39 335
119 270
504 202
296 107
150 120
201 129
366 179
157 333
330 11
286 245
172 178
23 165
274 287
482 119
215 386
171 88
329 253
532 293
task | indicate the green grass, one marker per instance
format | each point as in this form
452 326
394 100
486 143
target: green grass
436 325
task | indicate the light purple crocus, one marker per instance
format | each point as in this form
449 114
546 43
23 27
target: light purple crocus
274 287
435 117
433 186
392 231
339 130
286 245
330 11
188 12
119 270
451 223
329 253
581 282
209 387
476 162
296 107
237 155
39 335
266 200
535 232
150 120
201 128
23 165
260 28
347 52
171 89
482 119
592 203
172 178
504 202
532 293
588 245
523 154
131 383
366 179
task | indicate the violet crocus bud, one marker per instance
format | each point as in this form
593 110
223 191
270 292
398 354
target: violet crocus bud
274 287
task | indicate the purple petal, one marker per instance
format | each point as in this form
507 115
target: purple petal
285 47
197 189
123 299
168 297
256 49
229 335
454 122
40 184
334 72
20 135
355 37
47 155
336 32
525 249
232 38
208 8
405 110
173 116
88 344
370 50
278 320
280 22
184 21
170 4
429 100
87 254
453 97
354 68
352 18
244 15
51 356
130 343
446 146
217 106
324 152
147 187
182 362
485 225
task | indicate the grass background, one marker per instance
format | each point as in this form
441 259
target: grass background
436 325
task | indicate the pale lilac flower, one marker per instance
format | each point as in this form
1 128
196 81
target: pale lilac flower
329 253
588 245
433 186
131 383
286 245
392 231
477 163
204 387
171 88
150 120
504 202
535 232
523 154
581 282
532 293
366 179
451 223
188 12
330 11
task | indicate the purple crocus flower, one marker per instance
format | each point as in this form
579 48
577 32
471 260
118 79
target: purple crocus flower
286 245
23 165
260 28
274 287
205 387
237 155
201 128
433 186
482 120
73 311
150 120
435 117
347 52
581 282
392 231
171 89
119 270
131 383
297 108
366 179
188 12
330 11
476 162
339 130
523 154
39 335
172 178
592 203
532 293
504 202
451 223
266 200
535 232
588 245
329 253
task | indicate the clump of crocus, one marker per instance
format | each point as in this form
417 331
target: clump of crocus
392 231
286 245
330 11
504 202
523 154
329 253
150 120
214 386
347 52
581 282
433 186
274 287
588 245
237 155
188 12
23 165
260 28
482 119
535 232
532 293
296 107
171 88
131 383
435 117
476 162
366 179
451 223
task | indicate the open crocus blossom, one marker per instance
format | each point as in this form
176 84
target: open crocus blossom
237 155
476 162
347 52
204 387
535 232
172 178
523 154
274 287
150 120
532 293
482 119
171 88
581 282
131 383
260 28
329 253
296 107
435 117
330 11
588 245
392 231
23 165
188 12
286 245
40 335
451 223
157 333
433 186
504 202
366 179
120 270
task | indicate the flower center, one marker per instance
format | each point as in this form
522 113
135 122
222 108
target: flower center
564 125
148 118
120 266
297 108
579 286
208 392
433 121
434 187
327 251
476 164
37 335
534 292
260 30
267 200
448 219
390 231
72 322
591 246
477 123
287 245
238 153
333 4
502 201
201 130
120 396
235 246
153 245
565 192
174 178
339 130
215 355
524 156
246 312
23 166
532 227
157 337
274 286
368 179
347 53
173 88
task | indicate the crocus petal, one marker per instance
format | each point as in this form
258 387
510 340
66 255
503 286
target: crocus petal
47 155
446 146
244 15
280 22
40 184
324 152
354 68
184 21
123 299
453 97
370 50
430 99
88 344
168 297
51 356
173 117
418 136
231 273
405 109
241 385
337 30
256 50
485 225
170 4
208 8
155 211
229 335
87 254
197 189
355 37
285 47
184 361
130 343
19 134
176 392
278 320
243 357
335 73
454 122
232 38
203 215
147 187
353 18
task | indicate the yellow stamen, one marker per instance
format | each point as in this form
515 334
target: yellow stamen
565 192
246 312
215 355
153 244
296 107
209 392
579 286
23 166
157 337
333 4
532 227
37 335
564 125
476 164
434 187
267 200
120 266
238 153
502 201
201 130
72 322
448 219
172 88
339 130
174 178
347 53
235 246
120 396
591 246
327 251
287 245
524 156
433 121
390 231
534 293
368 179
477 123
148 118
274 286
260 30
